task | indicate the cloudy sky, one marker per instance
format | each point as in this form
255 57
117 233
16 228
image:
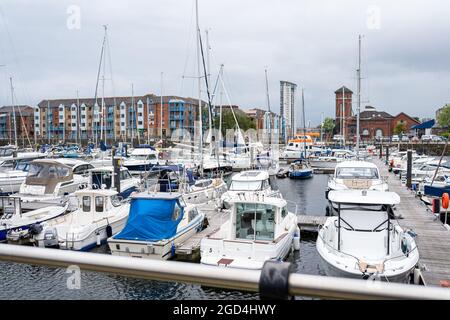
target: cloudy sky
50 53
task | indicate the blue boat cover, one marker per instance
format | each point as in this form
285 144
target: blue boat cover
151 220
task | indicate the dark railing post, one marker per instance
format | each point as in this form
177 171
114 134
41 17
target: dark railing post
381 151
409 169
387 155
116 166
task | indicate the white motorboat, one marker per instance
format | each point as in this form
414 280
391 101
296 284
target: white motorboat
157 224
100 214
51 180
174 178
15 225
259 228
141 160
11 180
249 182
363 242
357 175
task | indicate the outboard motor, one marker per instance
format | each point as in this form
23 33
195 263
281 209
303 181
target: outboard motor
51 238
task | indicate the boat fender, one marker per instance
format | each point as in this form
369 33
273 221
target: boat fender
326 194
99 240
297 241
436 205
274 280
404 245
35 228
445 200
172 249
108 231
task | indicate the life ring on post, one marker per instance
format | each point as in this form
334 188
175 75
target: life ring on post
445 200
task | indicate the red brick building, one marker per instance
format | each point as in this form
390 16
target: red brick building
343 109
374 123
24 122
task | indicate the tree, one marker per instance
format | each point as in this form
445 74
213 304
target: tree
328 125
400 128
228 122
444 117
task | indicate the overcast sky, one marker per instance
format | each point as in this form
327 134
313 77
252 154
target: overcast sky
405 53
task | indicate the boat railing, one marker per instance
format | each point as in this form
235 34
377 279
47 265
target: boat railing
295 284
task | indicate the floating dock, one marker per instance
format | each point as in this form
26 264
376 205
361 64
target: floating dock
433 239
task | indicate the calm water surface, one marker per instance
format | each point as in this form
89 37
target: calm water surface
19 281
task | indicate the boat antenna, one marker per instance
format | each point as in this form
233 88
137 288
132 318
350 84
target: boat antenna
304 122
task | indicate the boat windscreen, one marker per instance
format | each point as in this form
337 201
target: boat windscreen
245 185
357 173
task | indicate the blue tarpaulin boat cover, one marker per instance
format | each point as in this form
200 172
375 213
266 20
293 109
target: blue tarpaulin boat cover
151 220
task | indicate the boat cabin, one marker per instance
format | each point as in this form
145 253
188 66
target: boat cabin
97 201
253 180
367 211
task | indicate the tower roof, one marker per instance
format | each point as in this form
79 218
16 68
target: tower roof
346 90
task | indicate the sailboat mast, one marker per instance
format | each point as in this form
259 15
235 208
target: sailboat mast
94 130
343 115
161 109
14 112
132 115
199 88
304 122
358 95
268 107
78 136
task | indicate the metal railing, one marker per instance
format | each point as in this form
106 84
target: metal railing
228 278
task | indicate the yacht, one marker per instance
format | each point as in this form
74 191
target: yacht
15 224
357 175
100 214
364 241
141 160
259 228
157 224
250 182
11 180
300 169
174 178
51 180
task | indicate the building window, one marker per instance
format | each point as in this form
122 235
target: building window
140 123
379 133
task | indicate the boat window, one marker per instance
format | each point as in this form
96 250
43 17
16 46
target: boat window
192 214
115 200
22 166
152 156
357 173
245 185
125 174
265 184
8 164
284 212
86 203
99 204
101 178
176 212
254 221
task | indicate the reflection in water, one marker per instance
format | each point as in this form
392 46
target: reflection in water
20 281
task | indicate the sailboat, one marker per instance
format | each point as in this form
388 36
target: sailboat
301 169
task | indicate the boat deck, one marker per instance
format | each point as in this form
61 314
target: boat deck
433 239
190 249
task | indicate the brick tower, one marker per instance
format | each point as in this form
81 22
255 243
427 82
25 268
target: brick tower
346 93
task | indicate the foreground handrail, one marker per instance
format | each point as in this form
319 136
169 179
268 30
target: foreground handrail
229 278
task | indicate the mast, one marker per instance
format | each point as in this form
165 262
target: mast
161 110
304 122
78 135
94 131
208 77
199 87
358 71
14 112
343 115
48 120
132 115
268 107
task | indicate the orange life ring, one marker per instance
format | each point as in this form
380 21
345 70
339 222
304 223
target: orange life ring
445 200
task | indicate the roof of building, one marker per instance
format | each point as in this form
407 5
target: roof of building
346 90
373 113
425 125
109 101
25 110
